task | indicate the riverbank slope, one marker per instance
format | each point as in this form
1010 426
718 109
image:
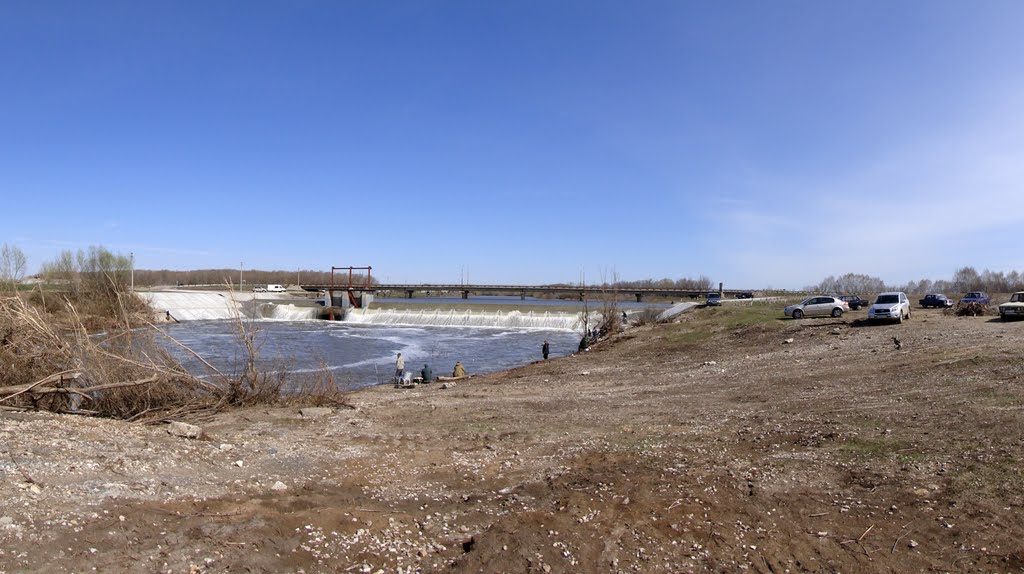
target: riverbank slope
729 440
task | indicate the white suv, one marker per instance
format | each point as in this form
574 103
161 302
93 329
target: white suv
889 306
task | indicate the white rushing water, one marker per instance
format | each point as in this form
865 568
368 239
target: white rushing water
464 318
289 312
206 306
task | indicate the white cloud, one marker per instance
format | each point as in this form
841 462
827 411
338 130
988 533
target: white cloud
949 200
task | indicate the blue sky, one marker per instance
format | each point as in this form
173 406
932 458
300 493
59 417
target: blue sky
762 144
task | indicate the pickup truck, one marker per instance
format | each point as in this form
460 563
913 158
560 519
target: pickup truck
975 297
937 300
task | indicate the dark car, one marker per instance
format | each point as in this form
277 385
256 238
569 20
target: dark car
979 297
937 300
745 295
713 299
855 302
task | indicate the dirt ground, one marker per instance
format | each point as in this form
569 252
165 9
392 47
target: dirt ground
729 441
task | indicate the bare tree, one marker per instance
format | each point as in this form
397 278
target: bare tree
966 279
12 266
850 283
611 321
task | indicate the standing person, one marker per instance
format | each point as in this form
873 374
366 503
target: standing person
459 370
399 367
545 349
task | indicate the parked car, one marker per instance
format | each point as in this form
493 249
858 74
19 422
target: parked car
1014 308
893 305
854 301
937 300
818 306
975 297
259 289
713 299
745 295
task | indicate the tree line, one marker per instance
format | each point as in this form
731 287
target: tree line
100 270
963 280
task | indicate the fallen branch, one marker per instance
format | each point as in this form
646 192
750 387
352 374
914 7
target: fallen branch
84 391
22 389
24 473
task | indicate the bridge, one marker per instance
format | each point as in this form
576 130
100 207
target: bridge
523 290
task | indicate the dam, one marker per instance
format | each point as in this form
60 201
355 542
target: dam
222 305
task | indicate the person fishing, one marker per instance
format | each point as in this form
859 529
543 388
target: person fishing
399 367
426 374
459 370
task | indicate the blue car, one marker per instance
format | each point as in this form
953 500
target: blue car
937 300
975 297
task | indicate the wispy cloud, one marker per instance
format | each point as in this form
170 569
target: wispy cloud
902 212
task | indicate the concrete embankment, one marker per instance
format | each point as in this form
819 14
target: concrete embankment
195 305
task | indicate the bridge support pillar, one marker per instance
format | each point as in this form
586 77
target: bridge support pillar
408 293
522 295
639 297
465 294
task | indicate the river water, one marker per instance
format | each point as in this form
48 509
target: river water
361 355
360 351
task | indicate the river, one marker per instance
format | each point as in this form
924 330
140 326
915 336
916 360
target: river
362 355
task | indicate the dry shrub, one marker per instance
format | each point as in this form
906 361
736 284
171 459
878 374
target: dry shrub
276 384
29 348
317 389
646 317
123 372
120 374
970 309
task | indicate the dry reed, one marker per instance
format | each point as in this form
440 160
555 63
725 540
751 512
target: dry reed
123 372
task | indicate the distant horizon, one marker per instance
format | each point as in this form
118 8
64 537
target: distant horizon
232 273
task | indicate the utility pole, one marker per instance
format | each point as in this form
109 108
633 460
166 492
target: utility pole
241 266
132 254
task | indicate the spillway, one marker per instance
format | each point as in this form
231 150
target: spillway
465 318
207 305
193 306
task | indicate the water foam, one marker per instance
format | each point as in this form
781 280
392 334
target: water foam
464 318
291 313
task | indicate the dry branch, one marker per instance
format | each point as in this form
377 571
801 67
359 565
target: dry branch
13 391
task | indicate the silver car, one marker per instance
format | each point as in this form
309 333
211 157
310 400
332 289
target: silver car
817 306
891 306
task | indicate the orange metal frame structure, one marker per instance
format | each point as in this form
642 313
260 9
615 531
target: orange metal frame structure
348 288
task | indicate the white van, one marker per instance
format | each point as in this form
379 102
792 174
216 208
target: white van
274 288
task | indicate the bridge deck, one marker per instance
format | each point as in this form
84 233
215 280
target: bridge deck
523 289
